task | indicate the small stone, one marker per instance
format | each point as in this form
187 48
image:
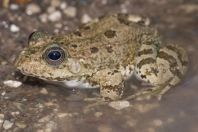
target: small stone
62 115
104 128
21 125
70 11
44 91
86 18
32 9
55 16
157 122
43 18
51 9
118 105
98 114
3 93
44 119
104 2
14 28
63 5
1 118
135 18
12 83
50 126
14 7
7 124
55 3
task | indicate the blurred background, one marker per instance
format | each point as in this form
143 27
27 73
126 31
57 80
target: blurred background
34 106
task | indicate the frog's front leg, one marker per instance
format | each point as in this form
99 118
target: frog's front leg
111 83
162 68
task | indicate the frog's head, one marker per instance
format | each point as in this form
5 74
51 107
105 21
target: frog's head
47 57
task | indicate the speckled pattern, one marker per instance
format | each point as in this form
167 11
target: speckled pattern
104 53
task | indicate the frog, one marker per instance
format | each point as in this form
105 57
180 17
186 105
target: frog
104 53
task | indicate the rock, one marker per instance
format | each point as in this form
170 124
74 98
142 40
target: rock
85 18
7 124
14 28
118 105
43 18
1 119
44 91
63 5
55 16
55 3
21 125
104 128
32 9
44 119
157 122
12 83
70 11
98 114
14 7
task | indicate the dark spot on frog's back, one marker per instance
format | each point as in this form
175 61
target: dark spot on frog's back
110 33
74 46
109 49
78 33
94 49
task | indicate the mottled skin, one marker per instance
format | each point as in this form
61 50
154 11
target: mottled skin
104 53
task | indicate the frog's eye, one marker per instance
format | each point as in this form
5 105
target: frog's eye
36 35
54 55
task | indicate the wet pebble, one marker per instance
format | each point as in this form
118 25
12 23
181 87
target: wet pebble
55 16
118 105
14 7
44 91
21 125
63 5
1 119
85 18
7 124
104 128
98 114
55 3
14 28
70 11
32 9
157 122
43 18
12 83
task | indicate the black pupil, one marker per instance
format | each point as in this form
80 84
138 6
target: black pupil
54 55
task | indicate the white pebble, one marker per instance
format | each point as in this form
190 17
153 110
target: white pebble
12 83
1 118
55 3
55 16
157 122
118 105
44 91
43 18
32 9
14 7
14 28
63 5
70 11
7 124
85 18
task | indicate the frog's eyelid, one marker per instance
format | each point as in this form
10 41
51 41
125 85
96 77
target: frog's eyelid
35 36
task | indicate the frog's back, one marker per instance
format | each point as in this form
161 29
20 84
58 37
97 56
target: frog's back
110 42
